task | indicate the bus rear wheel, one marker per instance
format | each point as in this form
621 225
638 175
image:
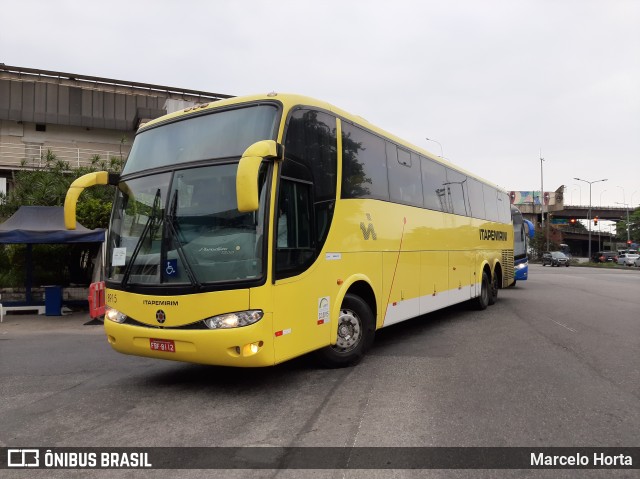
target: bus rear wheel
356 329
495 286
481 302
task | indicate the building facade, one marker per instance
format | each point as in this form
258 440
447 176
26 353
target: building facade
75 117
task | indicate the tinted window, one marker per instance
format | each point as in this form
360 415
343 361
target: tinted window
404 176
491 203
504 207
294 244
433 184
311 143
519 235
476 198
457 192
311 140
364 164
215 135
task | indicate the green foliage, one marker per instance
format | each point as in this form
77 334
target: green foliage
45 182
578 226
60 264
93 212
12 265
539 243
634 227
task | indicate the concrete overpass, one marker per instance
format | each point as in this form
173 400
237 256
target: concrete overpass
562 219
611 213
562 211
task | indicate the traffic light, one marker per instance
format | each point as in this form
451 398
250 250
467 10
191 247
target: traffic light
595 221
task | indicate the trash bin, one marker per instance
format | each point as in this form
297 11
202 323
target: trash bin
53 300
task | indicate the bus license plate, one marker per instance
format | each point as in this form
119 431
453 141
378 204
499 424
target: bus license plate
165 345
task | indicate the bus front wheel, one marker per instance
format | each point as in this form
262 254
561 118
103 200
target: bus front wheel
356 329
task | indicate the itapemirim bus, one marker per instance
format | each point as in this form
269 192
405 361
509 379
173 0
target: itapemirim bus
253 230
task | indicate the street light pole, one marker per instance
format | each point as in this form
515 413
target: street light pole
436 141
579 191
627 207
542 224
589 214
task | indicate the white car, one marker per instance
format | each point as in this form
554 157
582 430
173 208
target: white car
637 262
628 259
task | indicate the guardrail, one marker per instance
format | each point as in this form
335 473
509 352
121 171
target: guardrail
27 156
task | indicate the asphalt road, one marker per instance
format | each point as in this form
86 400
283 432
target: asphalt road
556 362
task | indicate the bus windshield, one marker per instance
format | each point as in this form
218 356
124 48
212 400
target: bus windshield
519 237
184 228
522 233
223 134
179 225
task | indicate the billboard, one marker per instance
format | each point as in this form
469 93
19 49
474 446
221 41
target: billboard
532 197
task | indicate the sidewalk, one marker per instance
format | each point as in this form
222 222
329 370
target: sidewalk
25 323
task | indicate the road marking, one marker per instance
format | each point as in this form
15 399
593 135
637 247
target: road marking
563 325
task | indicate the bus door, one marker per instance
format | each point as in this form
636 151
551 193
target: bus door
300 322
305 285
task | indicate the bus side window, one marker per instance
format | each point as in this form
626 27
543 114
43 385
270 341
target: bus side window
476 199
456 188
434 177
310 140
295 248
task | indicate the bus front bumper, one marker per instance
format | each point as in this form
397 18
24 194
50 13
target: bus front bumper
249 346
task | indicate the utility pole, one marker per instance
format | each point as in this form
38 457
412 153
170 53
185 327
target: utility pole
628 234
542 223
589 215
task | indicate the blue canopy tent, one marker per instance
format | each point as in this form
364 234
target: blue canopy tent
43 225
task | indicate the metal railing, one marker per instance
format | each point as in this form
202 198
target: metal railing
29 156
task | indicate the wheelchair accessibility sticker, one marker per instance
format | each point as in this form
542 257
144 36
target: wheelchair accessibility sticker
171 268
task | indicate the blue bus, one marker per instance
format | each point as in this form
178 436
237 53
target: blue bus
522 233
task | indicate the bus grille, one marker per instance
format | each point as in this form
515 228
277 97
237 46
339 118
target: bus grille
508 273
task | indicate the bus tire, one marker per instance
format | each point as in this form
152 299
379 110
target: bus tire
356 330
495 286
481 302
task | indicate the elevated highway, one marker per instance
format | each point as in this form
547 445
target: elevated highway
610 213
578 212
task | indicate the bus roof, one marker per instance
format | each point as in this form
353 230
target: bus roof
289 100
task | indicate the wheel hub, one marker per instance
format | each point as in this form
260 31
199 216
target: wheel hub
349 331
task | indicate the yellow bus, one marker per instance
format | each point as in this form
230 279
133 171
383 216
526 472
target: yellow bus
253 230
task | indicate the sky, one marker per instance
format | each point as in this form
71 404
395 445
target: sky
495 83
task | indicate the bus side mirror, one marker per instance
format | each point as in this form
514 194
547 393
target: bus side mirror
247 176
529 229
77 187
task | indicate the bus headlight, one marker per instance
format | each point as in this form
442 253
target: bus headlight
114 315
521 266
234 320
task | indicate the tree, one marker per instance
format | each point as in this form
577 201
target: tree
634 227
539 243
45 183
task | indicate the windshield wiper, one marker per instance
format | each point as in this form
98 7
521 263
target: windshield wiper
173 233
147 227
